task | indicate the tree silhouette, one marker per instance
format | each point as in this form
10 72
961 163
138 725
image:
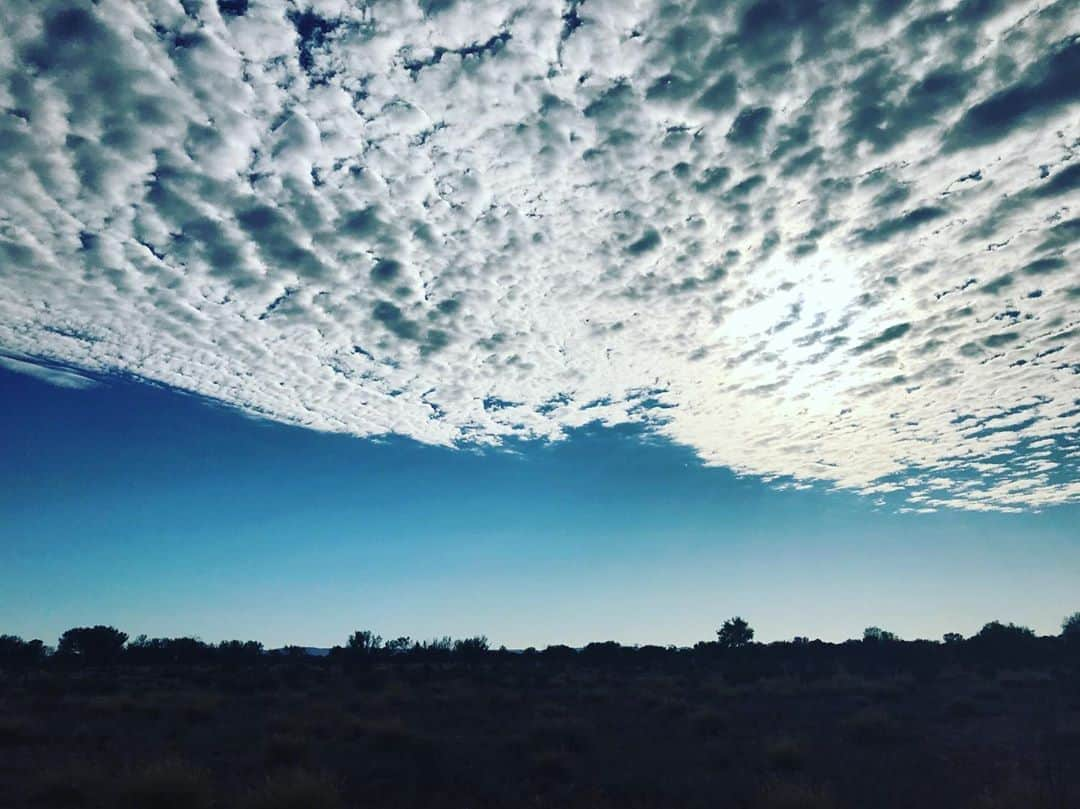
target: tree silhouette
234 652
92 645
364 643
873 634
997 631
399 646
734 633
1070 627
17 653
471 648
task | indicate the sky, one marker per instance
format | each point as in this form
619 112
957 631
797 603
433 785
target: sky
166 514
557 321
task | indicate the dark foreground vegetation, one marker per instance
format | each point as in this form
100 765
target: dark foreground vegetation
987 722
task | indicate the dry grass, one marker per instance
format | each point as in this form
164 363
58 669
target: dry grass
199 706
169 784
297 789
872 726
17 732
110 705
560 735
538 737
962 709
286 750
70 786
390 736
785 754
1019 792
794 795
709 723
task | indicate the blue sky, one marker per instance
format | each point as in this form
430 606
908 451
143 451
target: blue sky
550 319
160 513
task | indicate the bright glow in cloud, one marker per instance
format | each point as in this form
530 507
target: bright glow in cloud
826 241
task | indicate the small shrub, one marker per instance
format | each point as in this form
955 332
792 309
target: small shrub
168 784
298 789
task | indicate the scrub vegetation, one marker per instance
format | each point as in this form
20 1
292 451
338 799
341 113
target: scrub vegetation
986 722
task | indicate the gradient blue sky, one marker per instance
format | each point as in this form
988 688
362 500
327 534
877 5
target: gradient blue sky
155 511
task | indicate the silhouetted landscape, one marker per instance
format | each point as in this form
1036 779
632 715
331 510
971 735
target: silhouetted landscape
103 720
559 321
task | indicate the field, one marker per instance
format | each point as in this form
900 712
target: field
512 731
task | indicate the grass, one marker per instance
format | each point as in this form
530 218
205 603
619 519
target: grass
17 732
70 786
168 784
709 723
785 754
297 789
284 750
794 795
390 736
872 726
562 735
536 736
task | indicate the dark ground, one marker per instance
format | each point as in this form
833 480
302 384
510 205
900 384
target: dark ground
298 735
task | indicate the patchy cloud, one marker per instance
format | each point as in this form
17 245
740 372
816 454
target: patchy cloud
827 241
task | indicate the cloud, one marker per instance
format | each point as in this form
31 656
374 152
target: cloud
60 377
824 242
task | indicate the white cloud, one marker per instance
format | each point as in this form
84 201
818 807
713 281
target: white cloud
54 376
835 245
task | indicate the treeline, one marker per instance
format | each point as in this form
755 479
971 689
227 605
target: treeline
997 645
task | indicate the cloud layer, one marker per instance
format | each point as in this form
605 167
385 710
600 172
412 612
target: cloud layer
829 241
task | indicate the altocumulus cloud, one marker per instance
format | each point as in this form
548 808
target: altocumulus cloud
816 241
